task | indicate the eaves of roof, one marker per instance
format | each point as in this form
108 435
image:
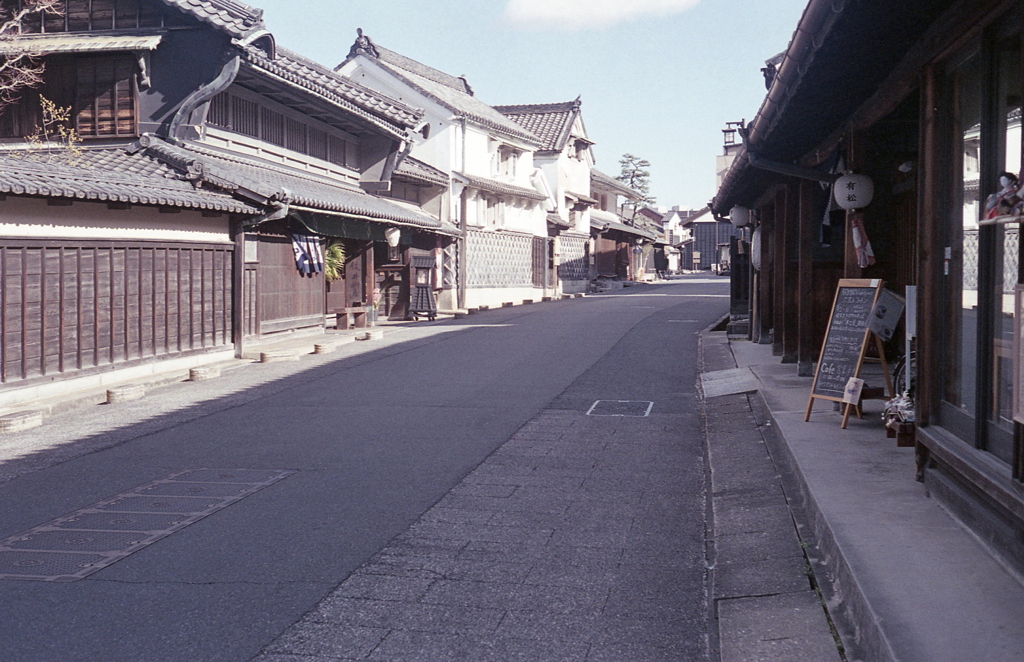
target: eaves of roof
411 168
234 18
586 199
460 103
109 175
385 113
602 225
557 221
63 42
501 188
839 56
271 184
551 122
607 181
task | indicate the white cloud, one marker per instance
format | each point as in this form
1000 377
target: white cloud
582 14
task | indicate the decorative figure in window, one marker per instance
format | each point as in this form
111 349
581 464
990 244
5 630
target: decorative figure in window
1006 201
363 46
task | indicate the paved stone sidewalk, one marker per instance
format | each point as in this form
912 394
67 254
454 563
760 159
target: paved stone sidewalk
581 538
762 592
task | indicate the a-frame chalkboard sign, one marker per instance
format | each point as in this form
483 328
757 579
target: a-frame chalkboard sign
846 341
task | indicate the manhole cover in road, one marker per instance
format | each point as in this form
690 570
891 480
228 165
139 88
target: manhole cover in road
638 408
71 547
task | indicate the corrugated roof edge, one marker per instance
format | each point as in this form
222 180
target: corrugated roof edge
398 127
234 18
513 131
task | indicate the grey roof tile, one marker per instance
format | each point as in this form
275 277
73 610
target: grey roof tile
266 180
235 18
109 175
416 169
449 91
551 122
607 181
504 188
374 107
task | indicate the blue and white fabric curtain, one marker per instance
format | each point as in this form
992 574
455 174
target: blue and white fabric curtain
309 253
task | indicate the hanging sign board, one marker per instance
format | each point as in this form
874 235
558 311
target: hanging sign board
846 340
886 314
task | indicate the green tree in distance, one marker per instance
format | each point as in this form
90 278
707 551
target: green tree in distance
635 174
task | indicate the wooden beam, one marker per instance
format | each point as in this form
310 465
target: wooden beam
931 265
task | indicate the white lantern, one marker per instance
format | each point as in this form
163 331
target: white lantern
854 191
392 236
739 215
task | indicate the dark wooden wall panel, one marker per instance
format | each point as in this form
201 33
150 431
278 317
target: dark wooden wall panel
68 306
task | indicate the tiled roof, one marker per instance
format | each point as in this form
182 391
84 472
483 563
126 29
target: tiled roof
416 169
609 182
109 175
412 66
582 198
556 220
266 181
374 107
601 224
451 92
81 43
551 122
503 188
235 18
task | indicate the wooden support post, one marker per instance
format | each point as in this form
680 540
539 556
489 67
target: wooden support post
791 318
764 277
805 294
778 273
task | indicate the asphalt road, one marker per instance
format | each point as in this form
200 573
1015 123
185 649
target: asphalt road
374 439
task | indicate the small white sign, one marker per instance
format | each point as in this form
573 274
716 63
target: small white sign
851 395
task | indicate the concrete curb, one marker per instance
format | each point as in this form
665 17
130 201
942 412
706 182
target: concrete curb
762 596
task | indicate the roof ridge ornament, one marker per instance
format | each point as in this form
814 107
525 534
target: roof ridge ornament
363 46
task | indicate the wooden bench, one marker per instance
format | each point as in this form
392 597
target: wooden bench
353 317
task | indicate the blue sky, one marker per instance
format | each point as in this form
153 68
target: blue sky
658 78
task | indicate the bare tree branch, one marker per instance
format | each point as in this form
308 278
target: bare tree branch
20 67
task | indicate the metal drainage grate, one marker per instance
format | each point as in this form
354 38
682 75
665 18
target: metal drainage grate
637 408
76 545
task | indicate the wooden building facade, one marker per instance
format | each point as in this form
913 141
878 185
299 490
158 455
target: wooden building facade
933 118
213 170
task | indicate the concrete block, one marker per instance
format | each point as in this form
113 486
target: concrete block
527 302
323 348
580 295
202 373
790 627
547 298
125 393
507 304
20 420
376 334
276 356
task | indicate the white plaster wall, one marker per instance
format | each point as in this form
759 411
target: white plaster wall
495 296
32 217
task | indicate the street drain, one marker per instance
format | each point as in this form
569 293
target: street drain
76 545
637 408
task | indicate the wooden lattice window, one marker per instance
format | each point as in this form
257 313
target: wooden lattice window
90 15
245 117
272 126
99 89
105 96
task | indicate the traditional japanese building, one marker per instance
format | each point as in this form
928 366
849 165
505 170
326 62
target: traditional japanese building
565 158
924 98
212 170
496 195
617 243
